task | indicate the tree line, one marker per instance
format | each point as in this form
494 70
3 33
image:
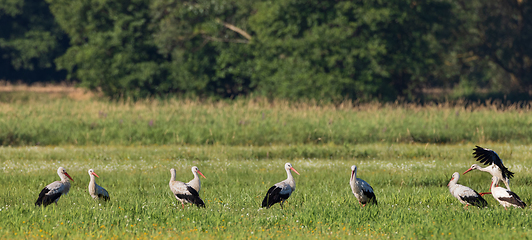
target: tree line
293 49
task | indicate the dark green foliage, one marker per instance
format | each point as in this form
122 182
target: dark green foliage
205 57
291 49
112 48
361 49
30 40
502 34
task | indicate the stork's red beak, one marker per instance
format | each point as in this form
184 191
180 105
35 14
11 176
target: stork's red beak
201 174
467 171
93 173
69 176
294 170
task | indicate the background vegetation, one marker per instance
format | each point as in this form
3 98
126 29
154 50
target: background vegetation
290 49
33 118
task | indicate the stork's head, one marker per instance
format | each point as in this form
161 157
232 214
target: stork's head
62 172
91 172
196 170
454 178
473 167
353 171
289 167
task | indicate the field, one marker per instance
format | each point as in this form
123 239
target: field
409 180
38 119
406 152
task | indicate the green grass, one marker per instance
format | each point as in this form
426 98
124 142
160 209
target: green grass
409 179
241 147
36 120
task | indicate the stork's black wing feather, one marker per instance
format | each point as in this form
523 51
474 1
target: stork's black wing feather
193 197
371 197
488 156
45 199
514 200
477 200
273 196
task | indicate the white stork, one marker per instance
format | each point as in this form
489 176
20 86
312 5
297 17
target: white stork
465 194
281 191
53 191
504 196
187 192
497 169
361 189
96 191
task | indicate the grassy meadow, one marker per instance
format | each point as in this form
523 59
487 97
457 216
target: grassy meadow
407 152
409 180
38 119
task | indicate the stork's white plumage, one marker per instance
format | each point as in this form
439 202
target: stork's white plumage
187 192
53 191
361 189
95 190
281 191
496 169
465 194
493 170
504 196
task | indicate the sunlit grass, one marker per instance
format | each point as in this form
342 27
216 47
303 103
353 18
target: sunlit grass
258 122
409 180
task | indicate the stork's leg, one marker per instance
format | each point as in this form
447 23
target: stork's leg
484 193
363 205
466 206
183 205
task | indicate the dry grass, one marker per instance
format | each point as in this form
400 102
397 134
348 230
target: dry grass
69 90
50 89
36 118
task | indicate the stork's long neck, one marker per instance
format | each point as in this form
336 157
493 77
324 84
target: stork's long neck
453 182
66 183
93 181
64 178
290 179
482 169
172 176
492 169
92 186
493 184
195 183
